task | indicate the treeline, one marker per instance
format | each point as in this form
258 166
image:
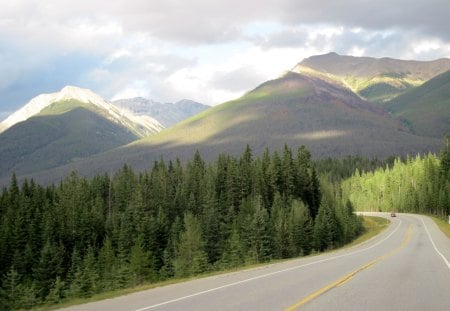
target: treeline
416 185
84 237
336 170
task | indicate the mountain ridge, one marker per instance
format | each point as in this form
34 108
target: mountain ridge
309 108
141 126
58 128
375 79
294 109
168 114
425 109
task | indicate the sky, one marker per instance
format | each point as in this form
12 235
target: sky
204 50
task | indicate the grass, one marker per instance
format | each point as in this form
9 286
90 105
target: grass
373 225
64 106
443 225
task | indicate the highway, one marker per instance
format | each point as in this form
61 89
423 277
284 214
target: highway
406 267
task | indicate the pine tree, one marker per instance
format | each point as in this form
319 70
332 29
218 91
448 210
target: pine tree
326 228
107 265
281 236
142 263
314 196
288 172
56 293
245 168
48 268
10 290
212 231
261 246
190 257
233 255
445 158
301 227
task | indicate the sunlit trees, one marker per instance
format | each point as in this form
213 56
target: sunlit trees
83 237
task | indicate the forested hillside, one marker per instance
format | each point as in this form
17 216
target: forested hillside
419 184
83 237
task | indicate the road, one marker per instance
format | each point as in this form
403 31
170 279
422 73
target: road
404 268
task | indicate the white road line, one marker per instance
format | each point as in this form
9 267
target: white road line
269 274
434 245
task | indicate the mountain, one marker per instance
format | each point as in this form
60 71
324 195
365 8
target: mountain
425 109
167 114
141 126
295 109
55 129
374 79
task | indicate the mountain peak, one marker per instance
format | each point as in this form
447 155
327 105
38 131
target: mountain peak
40 102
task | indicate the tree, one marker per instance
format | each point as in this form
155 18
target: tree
281 238
233 255
10 289
326 227
142 263
246 171
48 268
107 265
190 257
288 172
260 234
212 231
56 293
301 227
313 194
445 158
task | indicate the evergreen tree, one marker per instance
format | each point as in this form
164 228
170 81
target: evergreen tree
326 227
233 255
190 257
261 246
48 268
142 263
281 238
301 227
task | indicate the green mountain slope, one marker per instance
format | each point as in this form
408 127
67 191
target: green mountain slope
61 133
294 109
426 109
375 79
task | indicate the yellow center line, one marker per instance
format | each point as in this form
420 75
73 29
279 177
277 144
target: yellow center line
349 276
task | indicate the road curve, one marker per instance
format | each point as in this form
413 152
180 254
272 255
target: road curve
404 268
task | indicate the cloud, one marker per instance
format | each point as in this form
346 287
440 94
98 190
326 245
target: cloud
430 17
209 51
237 80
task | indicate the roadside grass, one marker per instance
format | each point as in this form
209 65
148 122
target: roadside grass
442 224
373 226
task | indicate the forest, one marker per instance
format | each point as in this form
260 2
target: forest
87 236
418 184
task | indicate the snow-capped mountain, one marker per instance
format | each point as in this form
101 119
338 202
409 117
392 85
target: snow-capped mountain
142 126
167 114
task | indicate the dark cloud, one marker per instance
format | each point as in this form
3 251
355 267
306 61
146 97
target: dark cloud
428 16
215 21
205 21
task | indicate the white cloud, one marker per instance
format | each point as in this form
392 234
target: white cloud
209 51
425 46
136 89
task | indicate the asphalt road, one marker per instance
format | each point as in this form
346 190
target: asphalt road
404 268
